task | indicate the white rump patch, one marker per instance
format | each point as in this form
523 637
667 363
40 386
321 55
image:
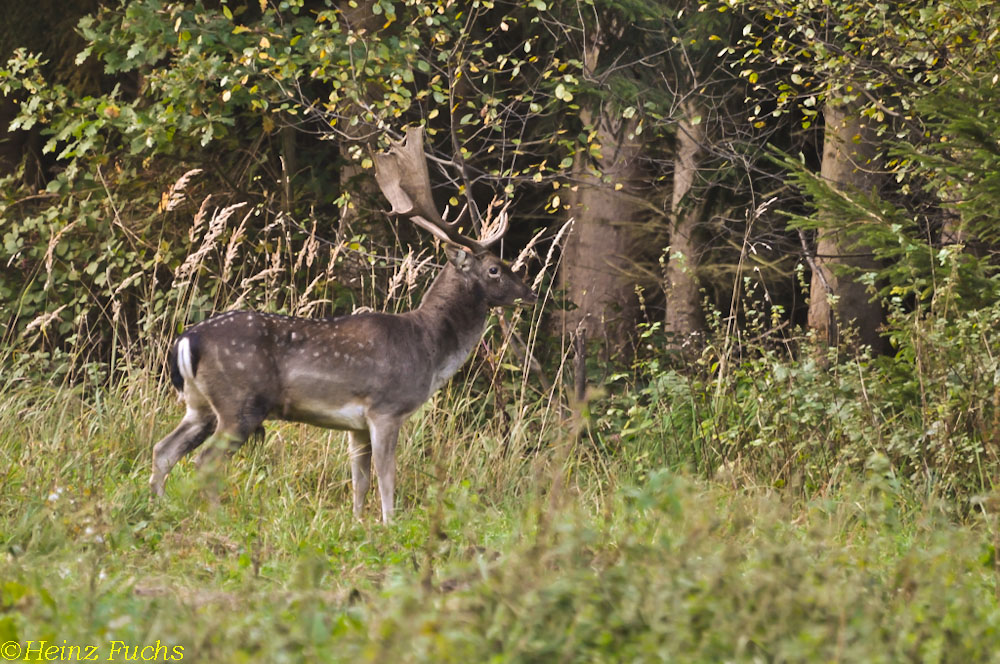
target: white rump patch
184 360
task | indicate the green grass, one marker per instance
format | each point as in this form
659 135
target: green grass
511 544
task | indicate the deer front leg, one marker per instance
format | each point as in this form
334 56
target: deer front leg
384 433
360 448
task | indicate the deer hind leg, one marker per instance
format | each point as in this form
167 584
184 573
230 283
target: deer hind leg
189 434
235 426
384 434
360 448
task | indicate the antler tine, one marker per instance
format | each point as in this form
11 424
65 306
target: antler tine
496 226
402 176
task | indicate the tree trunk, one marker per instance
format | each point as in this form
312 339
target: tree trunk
953 230
684 318
597 259
838 301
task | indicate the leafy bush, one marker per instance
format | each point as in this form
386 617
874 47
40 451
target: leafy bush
277 107
931 411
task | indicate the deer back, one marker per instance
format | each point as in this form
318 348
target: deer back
331 372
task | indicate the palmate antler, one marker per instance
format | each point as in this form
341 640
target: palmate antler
403 178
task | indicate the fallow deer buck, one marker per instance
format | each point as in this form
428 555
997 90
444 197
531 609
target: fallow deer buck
365 373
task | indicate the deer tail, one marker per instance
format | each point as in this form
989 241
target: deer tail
182 360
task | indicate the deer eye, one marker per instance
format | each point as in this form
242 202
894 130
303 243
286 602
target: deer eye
494 271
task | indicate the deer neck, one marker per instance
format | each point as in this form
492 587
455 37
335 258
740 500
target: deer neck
453 312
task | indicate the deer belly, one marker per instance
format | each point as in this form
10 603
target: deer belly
349 415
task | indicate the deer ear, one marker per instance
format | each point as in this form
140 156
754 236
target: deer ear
460 258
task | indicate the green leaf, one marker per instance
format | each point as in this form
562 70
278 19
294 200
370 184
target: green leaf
563 94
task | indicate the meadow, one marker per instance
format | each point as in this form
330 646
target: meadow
631 529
